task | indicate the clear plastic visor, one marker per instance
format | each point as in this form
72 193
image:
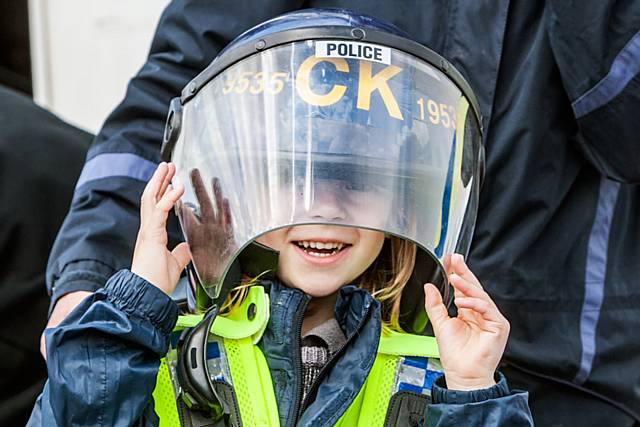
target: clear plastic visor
370 137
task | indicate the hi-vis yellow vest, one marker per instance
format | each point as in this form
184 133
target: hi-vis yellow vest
251 379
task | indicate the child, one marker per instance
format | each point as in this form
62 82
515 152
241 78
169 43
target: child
104 365
304 346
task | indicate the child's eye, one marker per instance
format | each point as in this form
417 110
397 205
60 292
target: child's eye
358 186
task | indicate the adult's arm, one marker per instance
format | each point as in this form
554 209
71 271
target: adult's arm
596 45
103 358
98 234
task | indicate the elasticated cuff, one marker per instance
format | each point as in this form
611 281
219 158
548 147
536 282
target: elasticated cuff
440 393
138 298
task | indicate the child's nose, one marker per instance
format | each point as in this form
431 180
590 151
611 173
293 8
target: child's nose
326 203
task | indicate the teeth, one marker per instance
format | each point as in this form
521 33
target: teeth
320 245
318 254
308 245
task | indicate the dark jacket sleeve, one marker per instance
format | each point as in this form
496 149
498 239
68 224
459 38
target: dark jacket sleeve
596 45
494 406
103 360
98 234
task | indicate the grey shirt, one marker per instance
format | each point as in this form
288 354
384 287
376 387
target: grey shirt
318 345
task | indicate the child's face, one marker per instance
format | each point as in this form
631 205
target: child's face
319 259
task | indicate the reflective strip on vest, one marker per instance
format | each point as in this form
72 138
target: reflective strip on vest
252 383
164 398
369 408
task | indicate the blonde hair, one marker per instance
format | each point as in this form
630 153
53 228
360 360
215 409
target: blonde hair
385 279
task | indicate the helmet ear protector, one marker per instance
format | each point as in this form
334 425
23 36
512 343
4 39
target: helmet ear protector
199 393
193 374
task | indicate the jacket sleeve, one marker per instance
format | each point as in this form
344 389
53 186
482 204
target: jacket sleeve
103 360
596 45
494 406
98 234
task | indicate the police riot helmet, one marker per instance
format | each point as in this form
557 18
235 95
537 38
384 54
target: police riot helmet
317 96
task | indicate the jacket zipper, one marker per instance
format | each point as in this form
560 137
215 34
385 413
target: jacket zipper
298 360
326 367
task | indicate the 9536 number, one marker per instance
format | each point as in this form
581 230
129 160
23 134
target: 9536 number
255 83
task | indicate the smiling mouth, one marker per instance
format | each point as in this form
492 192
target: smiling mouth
321 249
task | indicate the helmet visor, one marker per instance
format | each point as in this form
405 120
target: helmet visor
322 132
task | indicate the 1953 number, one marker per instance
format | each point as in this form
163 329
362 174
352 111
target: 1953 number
439 113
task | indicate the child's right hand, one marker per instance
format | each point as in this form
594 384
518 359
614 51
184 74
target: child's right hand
471 344
151 259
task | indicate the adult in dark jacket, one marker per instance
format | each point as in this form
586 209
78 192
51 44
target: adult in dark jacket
40 158
556 242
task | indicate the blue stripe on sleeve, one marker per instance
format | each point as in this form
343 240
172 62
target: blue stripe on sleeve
625 67
109 165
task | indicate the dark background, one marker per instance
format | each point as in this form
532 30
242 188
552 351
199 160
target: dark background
40 159
15 57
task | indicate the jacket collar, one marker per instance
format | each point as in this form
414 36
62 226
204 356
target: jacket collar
352 303
358 314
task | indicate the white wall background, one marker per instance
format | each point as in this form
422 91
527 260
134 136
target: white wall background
85 51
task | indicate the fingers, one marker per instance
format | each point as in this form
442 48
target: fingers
476 304
160 193
459 267
189 218
149 195
206 207
488 317
158 187
182 255
447 264
436 310
225 212
222 204
474 298
207 212
171 170
158 198
170 197
464 287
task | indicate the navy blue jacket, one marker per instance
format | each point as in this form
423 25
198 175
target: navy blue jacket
103 361
556 242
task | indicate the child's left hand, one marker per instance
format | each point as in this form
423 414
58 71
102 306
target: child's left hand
471 344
